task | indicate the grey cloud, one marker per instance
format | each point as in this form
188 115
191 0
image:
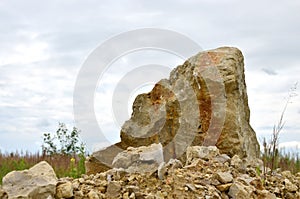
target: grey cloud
269 71
43 123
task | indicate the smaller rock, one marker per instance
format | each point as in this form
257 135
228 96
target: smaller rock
224 187
239 191
222 158
290 187
116 173
163 168
251 172
113 189
39 181
191 187
224 177
3 194
150 196
81 180
64 190
236 161
224 195
203 152
93 195
78 194
132 196
265 194
132 189
126 195
287 174
75 185
289 195
144 159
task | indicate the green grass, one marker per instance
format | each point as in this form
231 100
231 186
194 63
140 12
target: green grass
63 165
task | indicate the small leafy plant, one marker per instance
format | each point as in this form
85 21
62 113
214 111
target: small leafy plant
63 142
66 143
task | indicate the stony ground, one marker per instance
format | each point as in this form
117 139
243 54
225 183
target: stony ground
219 177
206 174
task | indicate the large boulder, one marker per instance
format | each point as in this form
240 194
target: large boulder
204 102
37 182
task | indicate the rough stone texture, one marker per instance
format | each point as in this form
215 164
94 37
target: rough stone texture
93 195
141 159
239 191
202 152
210 178
164 168
64 190
204 102
200 178
113 189
224 177
102 160
37 182
3 194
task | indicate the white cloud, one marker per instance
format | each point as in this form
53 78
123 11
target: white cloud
43 45
293 145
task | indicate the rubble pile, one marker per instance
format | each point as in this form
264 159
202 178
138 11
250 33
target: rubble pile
206 174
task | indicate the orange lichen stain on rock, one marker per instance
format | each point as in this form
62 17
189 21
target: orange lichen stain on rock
210 59
160 93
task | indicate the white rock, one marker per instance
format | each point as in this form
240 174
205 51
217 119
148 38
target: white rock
203 152
37 182
239 191
141 159
224 177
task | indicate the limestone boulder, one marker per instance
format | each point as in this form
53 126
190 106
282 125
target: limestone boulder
37 182
203 102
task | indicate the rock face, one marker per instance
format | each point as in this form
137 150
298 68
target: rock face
204 102
37 182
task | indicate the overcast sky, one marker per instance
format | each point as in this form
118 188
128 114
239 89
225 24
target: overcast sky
43 45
